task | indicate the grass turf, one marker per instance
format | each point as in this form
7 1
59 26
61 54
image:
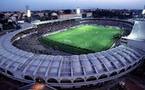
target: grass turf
85 37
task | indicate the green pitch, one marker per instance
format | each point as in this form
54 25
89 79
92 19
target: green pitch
83 39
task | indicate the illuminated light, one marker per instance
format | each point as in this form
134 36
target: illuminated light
28 13
78 11
143 12
38 86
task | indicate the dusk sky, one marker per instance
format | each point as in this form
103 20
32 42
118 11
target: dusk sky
8 5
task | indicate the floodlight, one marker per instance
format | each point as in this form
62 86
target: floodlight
78 11
28 13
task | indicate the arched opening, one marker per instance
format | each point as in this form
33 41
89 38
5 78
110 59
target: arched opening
92 78
10 73
103 76
28 77
113 74
2 70
65 81
78 80
129 67
99 85
122 70
40 80
136 63
51 80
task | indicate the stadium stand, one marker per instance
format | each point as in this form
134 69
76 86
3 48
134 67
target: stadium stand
65 71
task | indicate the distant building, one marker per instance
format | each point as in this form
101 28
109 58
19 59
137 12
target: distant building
87 15
54 15
77 14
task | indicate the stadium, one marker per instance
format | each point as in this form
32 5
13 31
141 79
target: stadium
72 53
